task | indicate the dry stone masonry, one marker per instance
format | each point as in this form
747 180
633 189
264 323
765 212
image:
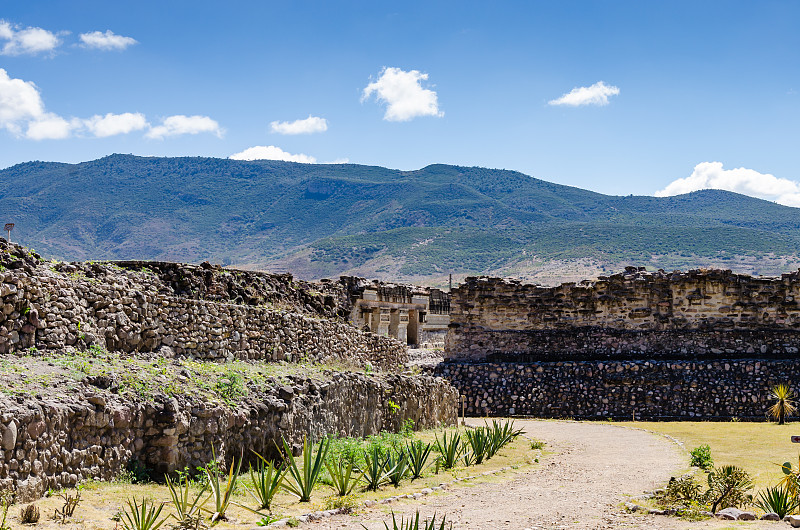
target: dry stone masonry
51 443
704 344
202 312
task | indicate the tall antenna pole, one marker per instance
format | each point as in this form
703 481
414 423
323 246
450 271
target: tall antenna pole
451 281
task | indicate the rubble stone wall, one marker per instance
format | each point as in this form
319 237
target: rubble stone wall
138 309
654 390
52 444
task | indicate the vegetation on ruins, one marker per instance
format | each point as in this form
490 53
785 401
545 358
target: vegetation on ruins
784 403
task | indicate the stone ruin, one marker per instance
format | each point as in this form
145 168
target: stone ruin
164 313
702 344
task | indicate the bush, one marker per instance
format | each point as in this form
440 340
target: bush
727 487
682 490
701 457
778 500
29 514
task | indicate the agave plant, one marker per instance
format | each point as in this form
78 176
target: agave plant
398 464
499 434
778 500
784 403
450 449
376 472
342 477
267 480
478 440
414 523
302 483
222 492
187 506
144 516
418 454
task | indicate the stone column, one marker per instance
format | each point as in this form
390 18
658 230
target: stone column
402 326
383 322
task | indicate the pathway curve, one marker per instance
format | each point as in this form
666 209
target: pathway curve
592 468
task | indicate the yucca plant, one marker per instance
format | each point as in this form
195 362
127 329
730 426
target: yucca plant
499 434
222 492
376 472
398 464
302 483
144 516
343 479
186 506
414 523
477 439
267 480
778 500
468 456
449 448
418 454
784 403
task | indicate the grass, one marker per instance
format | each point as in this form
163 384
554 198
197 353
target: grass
756 447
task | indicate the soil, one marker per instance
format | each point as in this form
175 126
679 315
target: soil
587 473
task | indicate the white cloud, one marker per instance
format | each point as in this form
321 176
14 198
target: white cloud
106 41
711 175
180 124
312 124
19 102
597 94
51 127
270 152
339 161
26 41
403 94
113 124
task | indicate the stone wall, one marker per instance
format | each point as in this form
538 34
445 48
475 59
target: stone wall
655 390
55 443
632 315
201 312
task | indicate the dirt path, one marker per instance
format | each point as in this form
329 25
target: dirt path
592 469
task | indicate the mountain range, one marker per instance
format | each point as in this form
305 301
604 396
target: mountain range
323 220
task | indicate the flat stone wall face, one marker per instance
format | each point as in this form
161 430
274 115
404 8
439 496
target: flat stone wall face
56 444
631 315
674 390
49 306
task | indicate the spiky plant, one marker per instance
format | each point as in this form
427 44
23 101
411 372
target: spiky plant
784 403
450 449
267 480
418 454
376 472
222 493
342 477
778 500
302 482
144 516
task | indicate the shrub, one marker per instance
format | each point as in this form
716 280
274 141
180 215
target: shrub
537 444
5 504
347 503
70 504
727 487
784 403
302 483
29 514
682 490
778 499
701 457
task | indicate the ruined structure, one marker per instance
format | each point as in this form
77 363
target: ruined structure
61 423
701 344
418 316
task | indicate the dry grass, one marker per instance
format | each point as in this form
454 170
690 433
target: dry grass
756 447
100 501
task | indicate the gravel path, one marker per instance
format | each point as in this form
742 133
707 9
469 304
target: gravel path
592 469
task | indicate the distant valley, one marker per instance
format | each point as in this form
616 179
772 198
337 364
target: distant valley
417 226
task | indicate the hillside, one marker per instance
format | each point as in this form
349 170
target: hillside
325 220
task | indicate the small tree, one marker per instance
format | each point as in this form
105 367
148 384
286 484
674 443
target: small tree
784 403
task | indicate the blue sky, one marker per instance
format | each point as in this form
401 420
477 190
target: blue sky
676 95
